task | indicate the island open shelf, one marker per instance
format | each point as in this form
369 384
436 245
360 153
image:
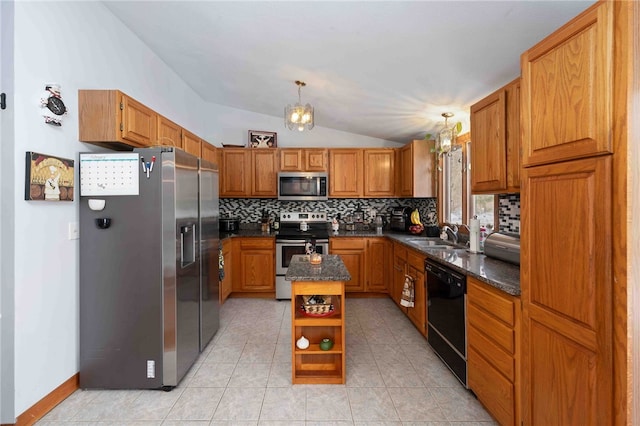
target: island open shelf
314 365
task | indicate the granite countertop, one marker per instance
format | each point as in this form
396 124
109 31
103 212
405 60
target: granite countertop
331 269
501 275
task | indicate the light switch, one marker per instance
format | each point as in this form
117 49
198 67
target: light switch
74 232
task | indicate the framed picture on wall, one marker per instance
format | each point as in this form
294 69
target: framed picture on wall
48 178
260 139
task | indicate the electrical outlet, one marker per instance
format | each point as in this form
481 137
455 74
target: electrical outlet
74 231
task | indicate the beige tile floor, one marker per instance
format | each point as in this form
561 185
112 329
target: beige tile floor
244 378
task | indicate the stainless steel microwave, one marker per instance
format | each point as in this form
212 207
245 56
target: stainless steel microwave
302 186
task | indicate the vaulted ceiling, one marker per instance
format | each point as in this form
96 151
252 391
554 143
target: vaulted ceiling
385 69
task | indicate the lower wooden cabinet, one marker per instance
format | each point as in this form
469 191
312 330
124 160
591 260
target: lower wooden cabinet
378 255
410 262
368 261
399 270
493 356
225 284
415 269
352 253
254 265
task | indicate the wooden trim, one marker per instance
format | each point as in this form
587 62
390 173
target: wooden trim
46 404
626 187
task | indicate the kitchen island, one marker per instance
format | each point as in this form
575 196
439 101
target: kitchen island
318 314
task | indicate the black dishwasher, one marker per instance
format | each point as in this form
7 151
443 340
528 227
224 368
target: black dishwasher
446 292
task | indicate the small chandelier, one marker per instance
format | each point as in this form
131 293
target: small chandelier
446 140
299 116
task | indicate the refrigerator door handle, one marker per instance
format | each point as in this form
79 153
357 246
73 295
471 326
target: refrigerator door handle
187 245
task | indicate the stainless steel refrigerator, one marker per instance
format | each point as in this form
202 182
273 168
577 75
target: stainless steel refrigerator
148 266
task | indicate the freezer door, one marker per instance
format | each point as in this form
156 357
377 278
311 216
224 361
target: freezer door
209 247
181 257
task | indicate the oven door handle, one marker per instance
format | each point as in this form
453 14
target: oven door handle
292 242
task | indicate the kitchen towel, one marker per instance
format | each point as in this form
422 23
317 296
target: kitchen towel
408 292
220 263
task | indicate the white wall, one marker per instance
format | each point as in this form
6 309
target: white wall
89 49
231 126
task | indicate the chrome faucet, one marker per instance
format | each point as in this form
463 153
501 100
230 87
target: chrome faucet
452 232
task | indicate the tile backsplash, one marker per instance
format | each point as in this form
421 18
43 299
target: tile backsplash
509 213
249 210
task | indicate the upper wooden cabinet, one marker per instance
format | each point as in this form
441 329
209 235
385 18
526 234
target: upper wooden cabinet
191 143
415 170
303 160
345 173
169 133
248 173
567 90
113 119
379 172
209 152
495 133
235 172
264 169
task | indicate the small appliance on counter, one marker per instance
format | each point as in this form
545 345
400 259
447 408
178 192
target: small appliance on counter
503 246
229 224
400 218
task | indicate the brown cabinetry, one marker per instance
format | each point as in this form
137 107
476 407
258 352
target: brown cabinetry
249 173
399 271
566 251
345 173
313 365
410 262
493 340
415 170
379 171
209 152
235 177
567 84
226 284
113 119
366 259
191 143
495 130
378 255
415 269
255 271
303 160
352 253
264 173
566 292
169 133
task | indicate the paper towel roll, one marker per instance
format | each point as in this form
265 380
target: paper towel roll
474 236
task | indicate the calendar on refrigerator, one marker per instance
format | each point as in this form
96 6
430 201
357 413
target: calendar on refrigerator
109 174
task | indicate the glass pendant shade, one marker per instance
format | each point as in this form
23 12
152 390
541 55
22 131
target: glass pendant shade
299 116
446 137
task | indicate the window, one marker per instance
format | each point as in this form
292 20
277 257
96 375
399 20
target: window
458 204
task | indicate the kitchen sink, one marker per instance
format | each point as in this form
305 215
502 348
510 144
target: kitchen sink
431 243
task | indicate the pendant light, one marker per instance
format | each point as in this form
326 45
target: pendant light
447 136
298 116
